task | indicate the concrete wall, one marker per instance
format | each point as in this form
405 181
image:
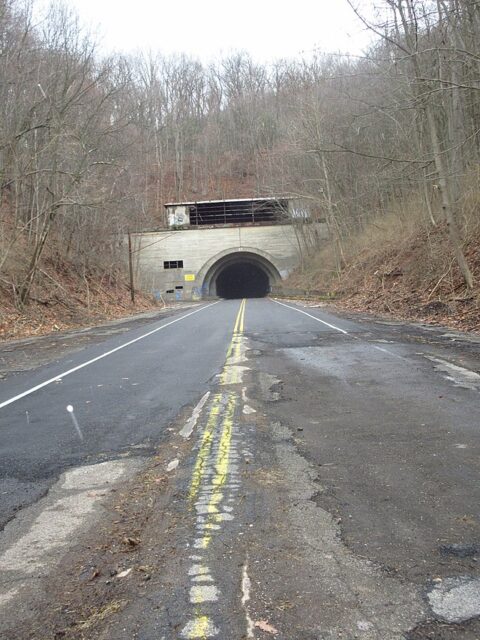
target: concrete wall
201 248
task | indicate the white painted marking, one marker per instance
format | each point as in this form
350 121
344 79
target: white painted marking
171 466
390 353
458 375
247 410
198 569
224 516
186 432
100 357
203 593
205 508
332 326
246 586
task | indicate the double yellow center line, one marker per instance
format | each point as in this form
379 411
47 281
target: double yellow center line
239 322
210 475
227 376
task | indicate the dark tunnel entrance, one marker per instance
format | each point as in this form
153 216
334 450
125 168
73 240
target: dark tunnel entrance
242 280
239 274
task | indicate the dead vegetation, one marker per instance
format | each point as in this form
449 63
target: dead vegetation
61 299
402 266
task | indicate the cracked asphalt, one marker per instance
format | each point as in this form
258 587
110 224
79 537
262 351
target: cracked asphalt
288 472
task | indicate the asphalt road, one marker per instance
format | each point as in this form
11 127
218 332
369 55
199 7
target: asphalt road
122 402
326 487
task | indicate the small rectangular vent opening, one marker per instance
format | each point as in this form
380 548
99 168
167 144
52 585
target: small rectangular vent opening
173 264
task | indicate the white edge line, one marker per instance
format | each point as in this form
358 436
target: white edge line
100 357
467 373
390 353
246 586
332 326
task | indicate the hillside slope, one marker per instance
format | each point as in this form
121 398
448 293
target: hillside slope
62 299
414 278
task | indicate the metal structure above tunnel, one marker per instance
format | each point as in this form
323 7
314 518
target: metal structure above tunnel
203 213
224 248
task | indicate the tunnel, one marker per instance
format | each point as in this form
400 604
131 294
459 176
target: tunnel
242 280
240 274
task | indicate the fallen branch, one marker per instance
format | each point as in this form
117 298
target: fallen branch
440 281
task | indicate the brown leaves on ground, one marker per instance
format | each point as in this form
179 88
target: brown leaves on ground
414 279
62 301
265 626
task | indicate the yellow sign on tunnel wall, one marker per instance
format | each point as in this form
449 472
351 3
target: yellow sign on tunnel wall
189 277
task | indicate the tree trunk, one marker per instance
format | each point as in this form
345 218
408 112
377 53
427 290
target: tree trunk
447 205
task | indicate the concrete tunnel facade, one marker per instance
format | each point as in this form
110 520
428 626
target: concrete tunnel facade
227 262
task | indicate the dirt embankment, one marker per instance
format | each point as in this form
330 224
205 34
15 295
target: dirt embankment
412 278
62 299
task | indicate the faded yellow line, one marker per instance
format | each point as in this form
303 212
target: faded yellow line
221 471
241 326
230 374
205 447
201 628
207 438
238 322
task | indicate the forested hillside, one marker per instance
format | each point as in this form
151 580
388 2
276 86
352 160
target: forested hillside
385 147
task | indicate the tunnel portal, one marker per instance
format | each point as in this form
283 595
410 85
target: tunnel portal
240 274
242 280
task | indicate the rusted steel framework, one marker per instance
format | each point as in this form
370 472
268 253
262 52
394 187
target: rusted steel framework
248 211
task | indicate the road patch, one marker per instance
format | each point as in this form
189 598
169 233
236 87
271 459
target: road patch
35 541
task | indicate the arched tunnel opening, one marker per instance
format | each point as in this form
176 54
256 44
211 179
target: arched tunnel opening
239 274
242 280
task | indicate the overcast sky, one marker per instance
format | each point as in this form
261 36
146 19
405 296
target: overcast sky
268 29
